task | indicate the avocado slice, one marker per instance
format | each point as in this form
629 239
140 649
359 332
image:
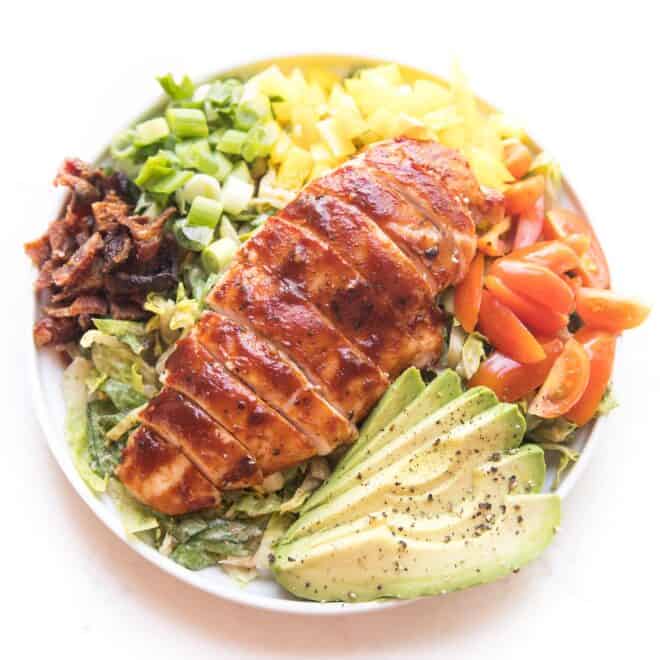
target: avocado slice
446 386
451 503
428 460
405 389
439 400
379 561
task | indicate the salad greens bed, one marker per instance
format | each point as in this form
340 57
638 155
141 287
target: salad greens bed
207 154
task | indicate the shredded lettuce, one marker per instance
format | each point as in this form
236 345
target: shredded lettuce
551 430
241 574
472 353
132 333
253 505
75 396
171 317
608 403
123 396
134 516
566 457
125 424
103 456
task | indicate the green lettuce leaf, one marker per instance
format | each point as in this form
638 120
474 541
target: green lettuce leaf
608 403
134 516
254 505
75 396
132 333
104 456
123 396
551 430
566 457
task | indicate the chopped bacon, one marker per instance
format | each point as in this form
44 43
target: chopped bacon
39 250
79 263
97 258
93 305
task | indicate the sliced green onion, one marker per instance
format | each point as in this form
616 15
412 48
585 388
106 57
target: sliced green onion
259 141
187 122
232 141
172 182
122 147
151 131
227 229
197 154
154 169
224 166
252 111
191 238
236 194
176 91
204 185
217 256
242 172
204 212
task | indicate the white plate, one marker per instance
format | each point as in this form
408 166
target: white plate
46 374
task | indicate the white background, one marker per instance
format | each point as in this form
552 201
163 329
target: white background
584 79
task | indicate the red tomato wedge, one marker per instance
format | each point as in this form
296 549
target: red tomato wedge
521 196
536 282
600 347
530 225
560 223
517 158
555 255
511 380
506 332
467 295
565 384
607 311
538 318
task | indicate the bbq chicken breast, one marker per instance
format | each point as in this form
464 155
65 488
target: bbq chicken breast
320 310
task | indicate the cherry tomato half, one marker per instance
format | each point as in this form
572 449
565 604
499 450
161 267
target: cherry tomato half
555 255
521 196
511 380
536 282
600 347
594 270
538 318
467 295
565 384
530 225
506 332
607 311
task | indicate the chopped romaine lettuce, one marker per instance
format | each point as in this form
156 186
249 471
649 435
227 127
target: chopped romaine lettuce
75 396
566 457
132 333
551 430
103 456
277 525
472 353
135 517
123 396
608 403
253 505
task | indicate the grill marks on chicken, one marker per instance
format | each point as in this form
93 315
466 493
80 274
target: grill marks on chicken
273 443
331 299
274 378
278 310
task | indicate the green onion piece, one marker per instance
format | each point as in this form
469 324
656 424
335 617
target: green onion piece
227 229
217 256
252 111
259 141
242 172
204 185
154 169
232 141
224 166
187 122
171 183
151 131
176 91
191 238
197 154
122 147
236 194
204 212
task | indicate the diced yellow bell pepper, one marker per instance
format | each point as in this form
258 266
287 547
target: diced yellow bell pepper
314 94
338 143
298 85
303 125
320 152
443 118
428 97
323 77
319 169
383 122
272 82
280 148
388 74
295 169
282 111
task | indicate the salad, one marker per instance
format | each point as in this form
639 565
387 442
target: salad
147 233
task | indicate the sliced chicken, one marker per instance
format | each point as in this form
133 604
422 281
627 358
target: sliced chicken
330 300
276 309
360 241
275 379
274 443
158 474
217 453
297 257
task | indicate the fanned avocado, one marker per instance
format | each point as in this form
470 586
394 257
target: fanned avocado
450 503
443 389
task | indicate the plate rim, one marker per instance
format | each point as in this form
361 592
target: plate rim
108 516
